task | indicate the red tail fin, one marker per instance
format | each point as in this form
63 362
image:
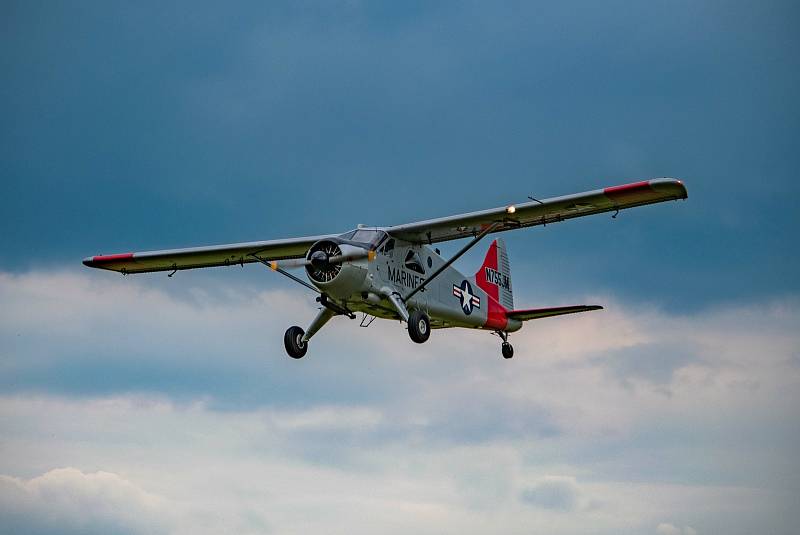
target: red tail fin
494 278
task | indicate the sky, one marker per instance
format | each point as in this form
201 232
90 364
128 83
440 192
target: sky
147 404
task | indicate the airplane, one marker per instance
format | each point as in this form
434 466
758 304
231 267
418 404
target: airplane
395 272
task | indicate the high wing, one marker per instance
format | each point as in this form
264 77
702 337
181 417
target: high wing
534 213
200 257
537 313
527 214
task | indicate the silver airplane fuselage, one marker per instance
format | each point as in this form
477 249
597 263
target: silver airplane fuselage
396 268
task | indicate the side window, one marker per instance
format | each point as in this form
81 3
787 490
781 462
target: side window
413 263
388 248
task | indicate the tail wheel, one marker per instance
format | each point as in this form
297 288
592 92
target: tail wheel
508 350
419 326
293 340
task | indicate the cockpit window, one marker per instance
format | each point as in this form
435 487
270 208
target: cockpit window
373 238
388 248
413 262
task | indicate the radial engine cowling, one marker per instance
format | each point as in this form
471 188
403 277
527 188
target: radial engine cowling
337 279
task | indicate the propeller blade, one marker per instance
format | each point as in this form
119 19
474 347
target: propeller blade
293 263
338 259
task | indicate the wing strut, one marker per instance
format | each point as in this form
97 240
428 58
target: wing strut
455 257
323 300
274 267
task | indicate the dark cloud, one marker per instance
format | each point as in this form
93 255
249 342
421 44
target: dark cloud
123 130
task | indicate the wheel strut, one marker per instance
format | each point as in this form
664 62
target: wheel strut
506 348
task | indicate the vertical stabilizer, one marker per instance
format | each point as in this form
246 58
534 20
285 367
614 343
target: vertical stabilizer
494 276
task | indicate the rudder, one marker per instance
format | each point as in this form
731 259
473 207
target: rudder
494 276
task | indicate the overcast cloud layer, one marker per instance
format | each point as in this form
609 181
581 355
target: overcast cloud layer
150 404
624 421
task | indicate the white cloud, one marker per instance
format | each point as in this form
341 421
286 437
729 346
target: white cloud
256 471
669 529
67 500
553 492
203 409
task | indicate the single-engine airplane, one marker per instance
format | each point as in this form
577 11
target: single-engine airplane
395 273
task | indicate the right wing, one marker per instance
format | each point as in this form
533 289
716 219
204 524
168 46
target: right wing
534 213
537 313
201 257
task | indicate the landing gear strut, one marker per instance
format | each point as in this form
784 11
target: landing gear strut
507 349
296 340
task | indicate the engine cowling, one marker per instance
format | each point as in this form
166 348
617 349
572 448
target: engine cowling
339 280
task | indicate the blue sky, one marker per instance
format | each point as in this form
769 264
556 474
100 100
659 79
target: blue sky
134 127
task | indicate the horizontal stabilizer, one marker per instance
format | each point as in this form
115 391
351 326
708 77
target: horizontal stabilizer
537 313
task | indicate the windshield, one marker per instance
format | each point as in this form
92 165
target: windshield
373 238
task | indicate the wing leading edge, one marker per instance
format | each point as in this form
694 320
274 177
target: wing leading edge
201 257
534 213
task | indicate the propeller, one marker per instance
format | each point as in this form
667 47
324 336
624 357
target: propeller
320 260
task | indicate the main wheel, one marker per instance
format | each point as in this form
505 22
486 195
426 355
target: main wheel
508 350
419 326
293 340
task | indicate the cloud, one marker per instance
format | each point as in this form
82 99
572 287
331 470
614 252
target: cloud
553 492
91 334
129 371
66 500
655 362
183 388
256 471
669 529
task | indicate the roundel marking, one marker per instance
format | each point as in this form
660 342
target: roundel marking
469 300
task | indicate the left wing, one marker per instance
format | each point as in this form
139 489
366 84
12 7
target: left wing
201 257
533 213
537 313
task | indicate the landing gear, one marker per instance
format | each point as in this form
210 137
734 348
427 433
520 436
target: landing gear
296 347
419 326
507 349
296 340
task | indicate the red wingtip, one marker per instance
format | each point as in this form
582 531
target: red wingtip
94 261
625 189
